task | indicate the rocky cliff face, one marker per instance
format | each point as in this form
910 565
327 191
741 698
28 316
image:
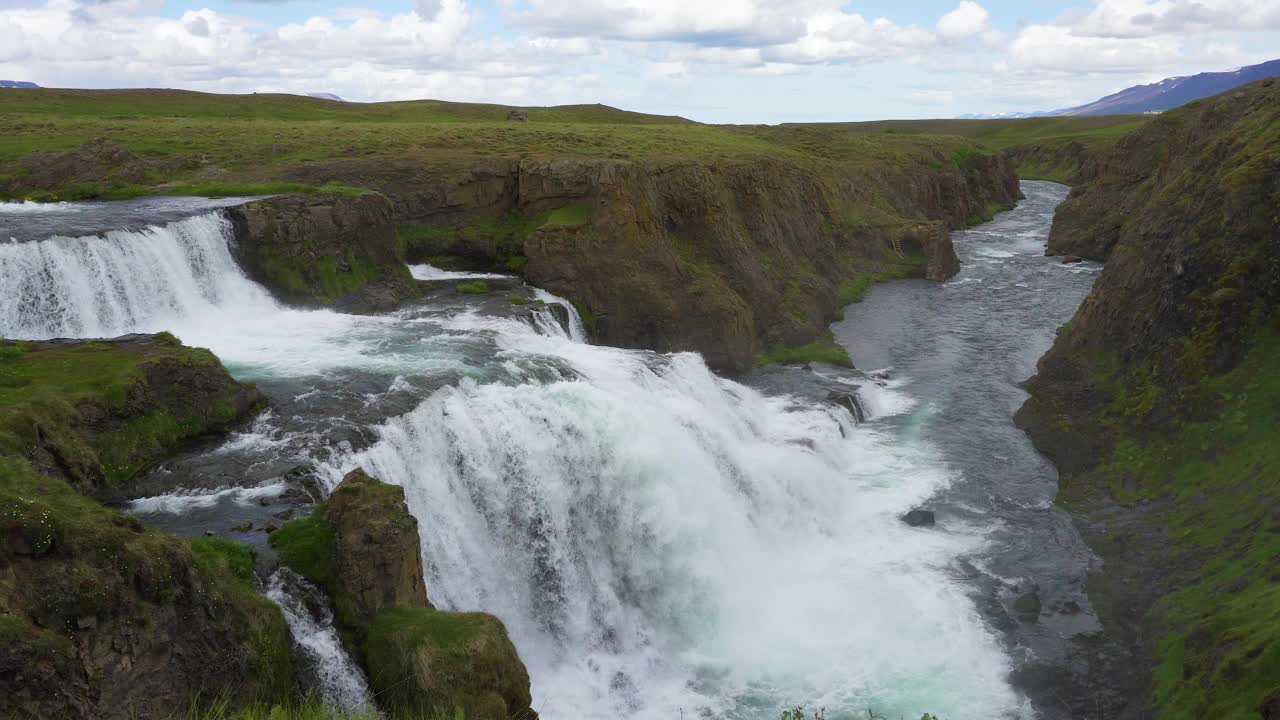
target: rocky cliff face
324 249
99 616
362 547
723 258
1158 402
1070 163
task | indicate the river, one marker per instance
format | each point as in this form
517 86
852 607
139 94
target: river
659 540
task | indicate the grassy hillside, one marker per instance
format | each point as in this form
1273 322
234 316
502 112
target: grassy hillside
1160 401
1005 133
197 138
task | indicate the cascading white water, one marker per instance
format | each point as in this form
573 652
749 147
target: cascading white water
125 281
657 539
333 674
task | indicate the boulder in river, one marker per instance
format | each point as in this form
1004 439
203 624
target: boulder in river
1071 259
919 518
362 547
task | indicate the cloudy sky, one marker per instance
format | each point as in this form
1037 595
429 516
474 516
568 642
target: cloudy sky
711 60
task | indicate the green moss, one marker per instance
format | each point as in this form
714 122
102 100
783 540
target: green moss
964 156
584 312
309 546
516 263
336 282
864 274
233 557
823 350
40 390
1219 654
308 709
519 300
575 215
425 662
475 287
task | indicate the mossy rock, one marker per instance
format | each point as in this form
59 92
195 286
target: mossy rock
96 412
182 620
431 663
361 546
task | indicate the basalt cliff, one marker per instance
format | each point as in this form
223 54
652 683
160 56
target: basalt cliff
727 259
1159 403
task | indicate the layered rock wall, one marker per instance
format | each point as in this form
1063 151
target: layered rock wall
723 258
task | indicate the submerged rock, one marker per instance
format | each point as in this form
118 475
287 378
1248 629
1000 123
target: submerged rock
849 401
919 518
1027 606
1071 259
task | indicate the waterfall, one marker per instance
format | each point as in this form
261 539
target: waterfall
657 539
660 539
319 656
124 281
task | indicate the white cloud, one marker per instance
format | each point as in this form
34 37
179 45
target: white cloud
968 19
407 55
1147 18
1057 47
933 97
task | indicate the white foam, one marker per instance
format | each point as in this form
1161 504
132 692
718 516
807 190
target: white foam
647 523
338 680
431 272
31 208
182 501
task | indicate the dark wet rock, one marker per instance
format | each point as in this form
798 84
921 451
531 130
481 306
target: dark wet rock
1071 607
1027 606
919 518
329 249
303 485
1270 709
286 514
849 401
243 527
1071 259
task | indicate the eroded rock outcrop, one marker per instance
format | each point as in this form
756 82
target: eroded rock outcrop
333 249
99 616
726 258
115 405
98 162
362 547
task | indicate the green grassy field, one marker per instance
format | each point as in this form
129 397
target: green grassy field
195 138
1005 133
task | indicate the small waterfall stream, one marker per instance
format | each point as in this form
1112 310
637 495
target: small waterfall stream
319 657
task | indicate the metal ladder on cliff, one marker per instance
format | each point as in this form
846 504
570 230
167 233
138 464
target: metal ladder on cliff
897 246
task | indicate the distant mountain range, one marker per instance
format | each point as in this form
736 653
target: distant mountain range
17 84
1164 95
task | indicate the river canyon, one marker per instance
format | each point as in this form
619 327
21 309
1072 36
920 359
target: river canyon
659 539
